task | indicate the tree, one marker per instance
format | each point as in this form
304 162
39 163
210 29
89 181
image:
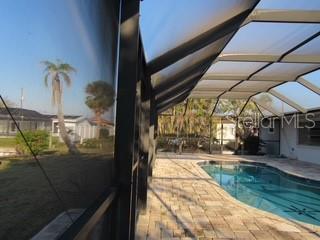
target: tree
7 102
100 98
59 71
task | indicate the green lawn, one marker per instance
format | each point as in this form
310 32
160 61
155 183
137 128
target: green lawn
27 203
7 142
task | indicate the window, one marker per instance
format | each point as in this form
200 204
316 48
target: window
13 127
55 128
309 134
271 130
3 126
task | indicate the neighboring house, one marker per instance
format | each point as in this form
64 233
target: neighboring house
228 131
104 124
79 128
25 118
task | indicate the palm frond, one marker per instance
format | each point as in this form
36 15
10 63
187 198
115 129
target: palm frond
46 79
49 66
47 63
66 78
67 68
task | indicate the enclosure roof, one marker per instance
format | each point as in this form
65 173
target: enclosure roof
265 51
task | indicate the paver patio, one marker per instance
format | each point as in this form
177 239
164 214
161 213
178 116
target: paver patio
184 202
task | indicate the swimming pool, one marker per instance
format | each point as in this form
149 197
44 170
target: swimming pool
269 189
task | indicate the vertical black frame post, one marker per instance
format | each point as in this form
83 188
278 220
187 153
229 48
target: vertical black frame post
221 135
128 74
152 135
236 143
210 135
144 143
136 161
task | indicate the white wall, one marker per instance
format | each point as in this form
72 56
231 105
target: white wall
86 131
80 130
228 131
290 148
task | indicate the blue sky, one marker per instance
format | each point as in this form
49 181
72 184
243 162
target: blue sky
37 30
73 31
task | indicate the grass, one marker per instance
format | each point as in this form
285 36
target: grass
27 202
8 142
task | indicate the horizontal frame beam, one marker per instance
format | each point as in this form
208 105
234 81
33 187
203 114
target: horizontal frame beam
268 108
179 99
283 16
192 80
87 229
309 85
287 101
215 107
268 58
197 68
259 109
160 104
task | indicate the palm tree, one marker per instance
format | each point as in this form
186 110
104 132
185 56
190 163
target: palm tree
59 71
100 98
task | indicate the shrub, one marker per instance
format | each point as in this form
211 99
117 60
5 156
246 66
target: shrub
251 145
91 143
38 141
55 141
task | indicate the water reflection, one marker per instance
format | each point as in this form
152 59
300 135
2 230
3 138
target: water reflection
57 71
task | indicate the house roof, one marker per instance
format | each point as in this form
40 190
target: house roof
104 122
22 112
67 117
33 115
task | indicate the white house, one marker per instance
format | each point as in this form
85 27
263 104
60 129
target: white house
228 129
104 124
294 137
79 128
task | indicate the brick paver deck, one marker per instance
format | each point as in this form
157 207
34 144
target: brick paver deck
185 203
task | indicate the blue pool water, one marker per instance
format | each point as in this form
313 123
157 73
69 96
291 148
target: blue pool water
269 189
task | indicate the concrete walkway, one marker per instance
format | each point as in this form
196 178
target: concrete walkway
186 203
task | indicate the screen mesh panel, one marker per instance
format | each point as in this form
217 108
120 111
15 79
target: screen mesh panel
215 85
309 52
284 71
289 4
270 102
313 78
167 24
255 86
299 94
234 70
237 95
269 38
